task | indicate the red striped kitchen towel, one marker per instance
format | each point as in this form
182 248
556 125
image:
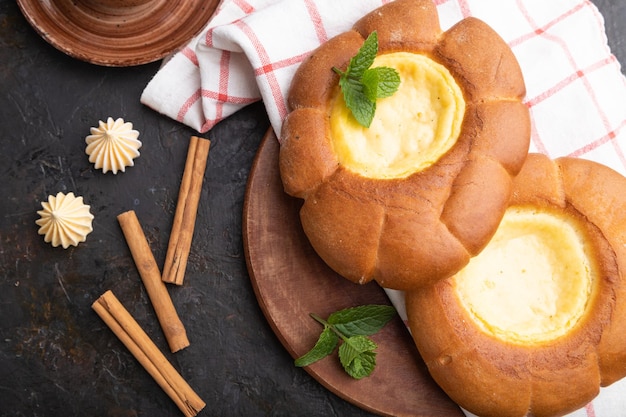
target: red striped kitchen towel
576 92
251 48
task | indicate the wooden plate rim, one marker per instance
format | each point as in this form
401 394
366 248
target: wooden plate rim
400 385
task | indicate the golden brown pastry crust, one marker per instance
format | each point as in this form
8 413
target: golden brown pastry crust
491 378
405 233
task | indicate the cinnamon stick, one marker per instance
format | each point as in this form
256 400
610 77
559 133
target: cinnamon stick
149 271
120 321
186 210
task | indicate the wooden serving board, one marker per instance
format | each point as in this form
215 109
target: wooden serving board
291 281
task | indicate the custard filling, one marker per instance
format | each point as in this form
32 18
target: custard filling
411 129
532 282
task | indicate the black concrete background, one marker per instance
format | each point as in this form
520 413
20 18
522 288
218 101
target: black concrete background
57 358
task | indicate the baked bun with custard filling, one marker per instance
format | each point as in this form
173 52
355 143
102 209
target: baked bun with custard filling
409 200
536 323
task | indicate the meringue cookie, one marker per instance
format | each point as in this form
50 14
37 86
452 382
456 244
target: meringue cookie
113 145
65 220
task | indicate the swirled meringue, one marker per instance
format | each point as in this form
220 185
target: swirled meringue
113 145
65 220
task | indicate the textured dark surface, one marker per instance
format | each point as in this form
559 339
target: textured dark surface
57 358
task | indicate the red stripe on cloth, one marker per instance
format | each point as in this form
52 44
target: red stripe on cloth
579 74
245 7
591 412
221 95
188 104
609 137
539 30
208 38
208 125
596 144
594 97
270 76
219 106
227 98
554 89
223 83
465 8
190 54
317 21
273 66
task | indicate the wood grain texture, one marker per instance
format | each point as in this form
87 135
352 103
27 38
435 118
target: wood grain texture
291 281
111 34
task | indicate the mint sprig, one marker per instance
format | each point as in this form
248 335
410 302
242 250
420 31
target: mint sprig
351 327
362 86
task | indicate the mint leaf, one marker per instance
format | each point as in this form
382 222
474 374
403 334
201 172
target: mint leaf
387 81
363 320
351 326
361 85
357 356
353 94
370 80
363 110
325 345
364 58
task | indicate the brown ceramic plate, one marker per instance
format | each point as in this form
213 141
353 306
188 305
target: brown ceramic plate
291 281
118 32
